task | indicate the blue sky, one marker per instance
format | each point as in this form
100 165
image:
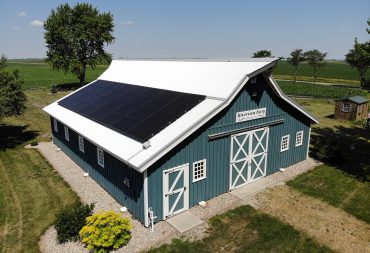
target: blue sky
200 29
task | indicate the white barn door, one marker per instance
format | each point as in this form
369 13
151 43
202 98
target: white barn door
248 157
175 190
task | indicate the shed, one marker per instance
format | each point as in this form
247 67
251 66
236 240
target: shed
165 135
351 108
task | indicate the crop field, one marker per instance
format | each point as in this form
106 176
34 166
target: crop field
41 75
319 90
332 72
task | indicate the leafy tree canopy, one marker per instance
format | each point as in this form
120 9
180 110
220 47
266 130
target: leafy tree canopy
76 36
262 54
315 59
296 57
12 99
359 58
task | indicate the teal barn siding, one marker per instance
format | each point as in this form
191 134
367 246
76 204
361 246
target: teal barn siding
111 177
217 152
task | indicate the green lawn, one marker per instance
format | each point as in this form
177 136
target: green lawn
245 229
31 192
332 72
319 90
41 75
338 188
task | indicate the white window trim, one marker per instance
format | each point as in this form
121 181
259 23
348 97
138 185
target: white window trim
99 150
66 133
299 133
282 149
55 125
204 161
349 107
81 144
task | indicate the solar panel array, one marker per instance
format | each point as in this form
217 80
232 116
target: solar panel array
135 111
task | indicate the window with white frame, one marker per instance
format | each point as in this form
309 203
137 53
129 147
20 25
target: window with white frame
284 143
199 170
81 144
359 108
100 154
66 133
254 79
299 138
346 107
55 125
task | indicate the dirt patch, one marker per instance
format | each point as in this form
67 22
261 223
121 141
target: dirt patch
328 225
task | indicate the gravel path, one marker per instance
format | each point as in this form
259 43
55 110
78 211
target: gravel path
142 238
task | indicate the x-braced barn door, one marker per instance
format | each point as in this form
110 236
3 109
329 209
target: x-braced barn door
175 190
248 157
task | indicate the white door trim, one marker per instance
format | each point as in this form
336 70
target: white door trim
249 156
169 190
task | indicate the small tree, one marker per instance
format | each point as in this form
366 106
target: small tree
75 38
262 54
315 59
12 99
295 59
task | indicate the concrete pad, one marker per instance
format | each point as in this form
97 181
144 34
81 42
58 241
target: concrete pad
184 221
254 187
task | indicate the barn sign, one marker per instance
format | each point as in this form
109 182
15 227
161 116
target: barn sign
251 114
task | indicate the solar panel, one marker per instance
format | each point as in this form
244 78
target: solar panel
135 111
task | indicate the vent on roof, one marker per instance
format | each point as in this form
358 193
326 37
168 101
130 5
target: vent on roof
135 111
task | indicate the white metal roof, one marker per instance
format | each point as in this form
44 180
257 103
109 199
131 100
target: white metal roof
219 81
209 78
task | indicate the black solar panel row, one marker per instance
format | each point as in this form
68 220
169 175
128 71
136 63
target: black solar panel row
135 111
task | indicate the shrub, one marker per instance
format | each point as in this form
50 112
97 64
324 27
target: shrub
106 230
34 142
54 89
70 220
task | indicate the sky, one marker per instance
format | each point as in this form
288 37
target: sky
200 29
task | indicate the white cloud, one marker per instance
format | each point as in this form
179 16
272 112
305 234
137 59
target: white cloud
15 28
37 23
22 14
128 22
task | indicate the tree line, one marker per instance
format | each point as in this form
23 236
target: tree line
358 57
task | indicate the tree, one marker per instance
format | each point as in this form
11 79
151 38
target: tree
262 54
75 38
12 99
315 59
295 59
359 58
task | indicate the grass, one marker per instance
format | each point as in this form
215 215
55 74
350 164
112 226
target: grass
332 72
31 192
245 229
41 75
337 188
319 90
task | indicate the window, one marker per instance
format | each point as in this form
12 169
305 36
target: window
284 143
55 125
299 138
254 79
359 108
66 133
346 107
199 170
100 154
81 144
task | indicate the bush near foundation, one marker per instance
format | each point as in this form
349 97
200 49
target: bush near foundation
105 231
70 220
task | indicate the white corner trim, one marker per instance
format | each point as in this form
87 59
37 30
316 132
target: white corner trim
146 204
308 142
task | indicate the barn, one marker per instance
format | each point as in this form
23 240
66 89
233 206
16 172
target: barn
163 135
351 108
